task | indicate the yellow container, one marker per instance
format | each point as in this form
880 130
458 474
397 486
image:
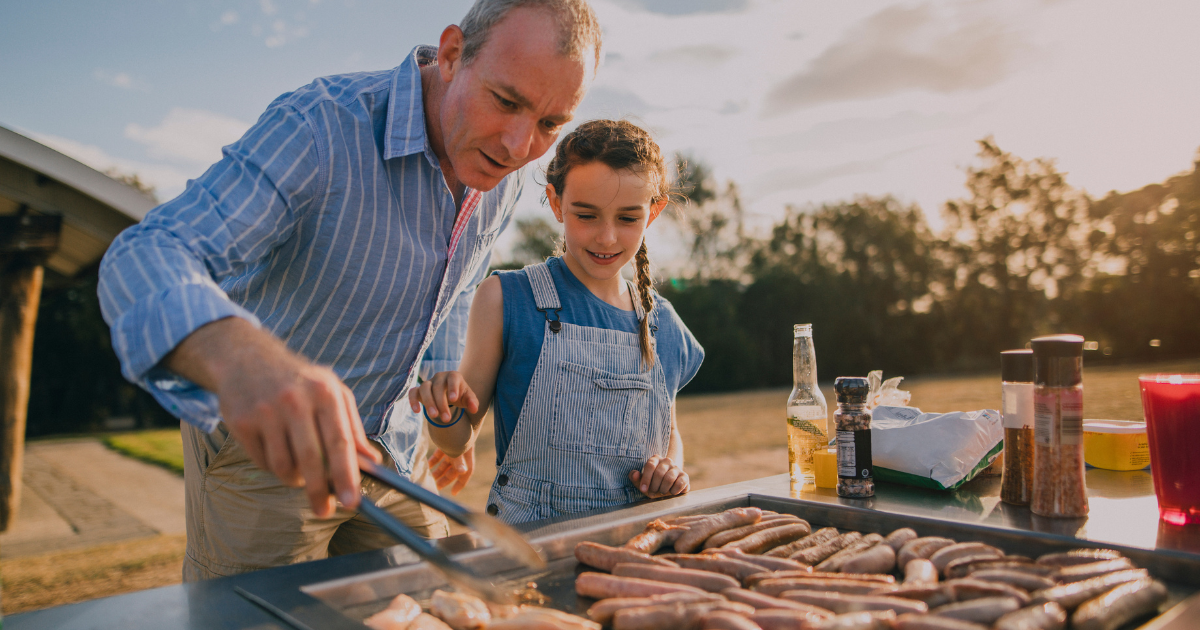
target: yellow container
825 467
1115 444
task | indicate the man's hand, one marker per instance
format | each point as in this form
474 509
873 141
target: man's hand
660 477
448 470
293 418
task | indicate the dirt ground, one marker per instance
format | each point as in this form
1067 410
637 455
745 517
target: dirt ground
728 437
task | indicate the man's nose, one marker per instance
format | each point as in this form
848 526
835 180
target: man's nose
518 139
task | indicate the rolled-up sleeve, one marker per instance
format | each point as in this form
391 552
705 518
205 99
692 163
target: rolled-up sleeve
159 281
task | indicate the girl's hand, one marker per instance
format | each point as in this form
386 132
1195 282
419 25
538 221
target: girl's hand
660 477
439 393
448 470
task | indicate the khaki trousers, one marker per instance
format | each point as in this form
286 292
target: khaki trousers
240 518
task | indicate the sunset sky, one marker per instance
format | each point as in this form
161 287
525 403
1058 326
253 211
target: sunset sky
799 102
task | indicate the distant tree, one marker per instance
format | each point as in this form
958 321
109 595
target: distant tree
712 223
133 180
539 240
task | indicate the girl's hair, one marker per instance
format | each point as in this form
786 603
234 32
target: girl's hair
619 145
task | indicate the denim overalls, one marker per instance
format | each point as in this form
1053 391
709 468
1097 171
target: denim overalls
592 414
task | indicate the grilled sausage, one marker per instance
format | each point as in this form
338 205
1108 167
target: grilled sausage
605 558
1048 616
762 601
968 588
965 566
878 559
603 610
776 586
1070 596
786 619
946 555
700 531
739 570
706 580
842 603
878 578
1019 579
814 555
739 533
833 564
933 595
673 615
603 585
771 538
725 620
822 535
1080 572
933 622
656 535
984 610
921 548
766 562
1120 605
920 571
864 620
898 538
1078 556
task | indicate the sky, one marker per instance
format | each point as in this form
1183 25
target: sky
800 102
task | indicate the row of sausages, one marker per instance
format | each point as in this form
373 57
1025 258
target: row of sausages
458 611
749 569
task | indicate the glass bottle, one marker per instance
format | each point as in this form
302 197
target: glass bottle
855 474
1016 405
807 413
1058 482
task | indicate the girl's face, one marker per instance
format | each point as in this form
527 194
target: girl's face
604 215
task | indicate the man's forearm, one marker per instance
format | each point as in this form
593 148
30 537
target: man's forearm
208 354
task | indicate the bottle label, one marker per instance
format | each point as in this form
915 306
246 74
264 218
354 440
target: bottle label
854 454
1058 418
808 418
1017 405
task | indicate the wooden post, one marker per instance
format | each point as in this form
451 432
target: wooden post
24 244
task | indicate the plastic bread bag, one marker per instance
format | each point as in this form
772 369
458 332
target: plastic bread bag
933 450
886 392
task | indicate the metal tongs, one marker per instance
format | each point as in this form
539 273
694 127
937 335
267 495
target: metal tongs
503 537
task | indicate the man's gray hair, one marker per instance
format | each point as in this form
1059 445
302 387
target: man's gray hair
578 27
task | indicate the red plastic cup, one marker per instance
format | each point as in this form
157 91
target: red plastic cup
1172 406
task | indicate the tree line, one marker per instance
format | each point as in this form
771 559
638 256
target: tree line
1022 253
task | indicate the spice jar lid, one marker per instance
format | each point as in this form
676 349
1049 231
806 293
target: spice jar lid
1016 366
1058 346
851 389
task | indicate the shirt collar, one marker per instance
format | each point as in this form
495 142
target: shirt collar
406 107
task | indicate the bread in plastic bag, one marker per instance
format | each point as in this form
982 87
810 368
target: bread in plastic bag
933 450
886 392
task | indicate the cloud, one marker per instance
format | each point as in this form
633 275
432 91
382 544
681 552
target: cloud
687 7
799 178
229 17
839 133
168 181
704 55
902 49
268 7
121 80
190 135
607 102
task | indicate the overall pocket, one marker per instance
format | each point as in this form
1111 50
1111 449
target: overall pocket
599 412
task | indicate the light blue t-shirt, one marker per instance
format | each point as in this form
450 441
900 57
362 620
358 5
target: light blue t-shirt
525 327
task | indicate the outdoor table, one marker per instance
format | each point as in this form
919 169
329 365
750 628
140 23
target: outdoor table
1123 512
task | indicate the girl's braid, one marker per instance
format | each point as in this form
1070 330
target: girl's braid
645 285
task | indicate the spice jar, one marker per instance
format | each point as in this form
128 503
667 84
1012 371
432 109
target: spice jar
1058 486
1016 404
853 422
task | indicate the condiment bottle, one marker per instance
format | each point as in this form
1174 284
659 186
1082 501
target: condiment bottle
1016 404
1058 485
855 475
807 413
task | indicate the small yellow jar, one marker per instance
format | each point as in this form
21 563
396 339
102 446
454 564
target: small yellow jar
825 468
1115 444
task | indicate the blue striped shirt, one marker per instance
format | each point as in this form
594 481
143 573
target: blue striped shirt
330 225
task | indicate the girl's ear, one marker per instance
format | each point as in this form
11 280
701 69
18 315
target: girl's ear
656 209
555 202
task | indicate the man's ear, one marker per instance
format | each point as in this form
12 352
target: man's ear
555 202
449 56
656 209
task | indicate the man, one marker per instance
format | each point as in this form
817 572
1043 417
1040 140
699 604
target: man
347 228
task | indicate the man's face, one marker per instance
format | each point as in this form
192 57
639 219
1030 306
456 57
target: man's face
507 106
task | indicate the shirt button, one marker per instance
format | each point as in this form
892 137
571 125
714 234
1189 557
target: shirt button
493 510
502 480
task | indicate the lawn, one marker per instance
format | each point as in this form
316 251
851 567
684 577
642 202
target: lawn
729 437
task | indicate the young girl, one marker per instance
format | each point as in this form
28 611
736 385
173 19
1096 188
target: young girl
580 365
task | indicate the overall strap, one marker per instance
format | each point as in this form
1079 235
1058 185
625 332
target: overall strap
545 297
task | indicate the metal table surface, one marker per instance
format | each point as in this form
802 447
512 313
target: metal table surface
1123 512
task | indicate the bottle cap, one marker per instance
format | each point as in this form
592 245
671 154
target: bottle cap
1058 360
802 330
851 389
1058 346
1016 366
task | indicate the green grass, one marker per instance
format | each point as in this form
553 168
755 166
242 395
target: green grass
161 447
